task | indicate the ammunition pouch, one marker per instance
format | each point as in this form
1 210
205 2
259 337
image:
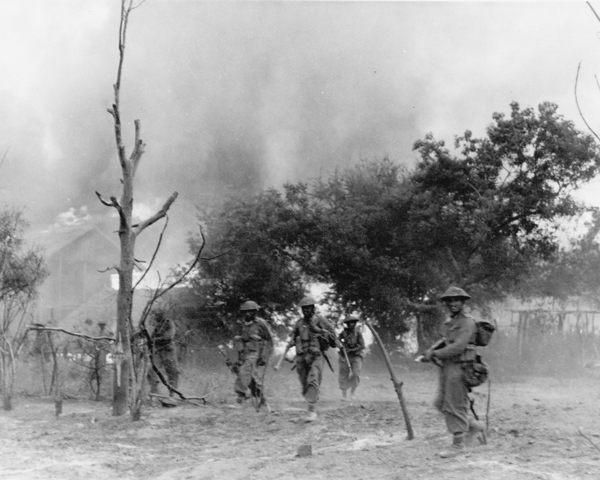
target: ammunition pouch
475 372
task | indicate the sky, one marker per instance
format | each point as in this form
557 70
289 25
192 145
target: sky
250 95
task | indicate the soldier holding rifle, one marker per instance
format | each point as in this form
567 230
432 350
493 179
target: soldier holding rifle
254 347
312 336
352 346
450 353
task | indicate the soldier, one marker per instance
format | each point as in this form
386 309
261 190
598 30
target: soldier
449 354
163 350
350 357
254 347
312 336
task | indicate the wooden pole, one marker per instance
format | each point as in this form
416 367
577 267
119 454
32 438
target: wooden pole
395 381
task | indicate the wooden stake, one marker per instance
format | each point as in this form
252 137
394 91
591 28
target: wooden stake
397 384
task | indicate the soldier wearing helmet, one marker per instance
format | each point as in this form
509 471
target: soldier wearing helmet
254 347
312 336
450 354
352 346
163 349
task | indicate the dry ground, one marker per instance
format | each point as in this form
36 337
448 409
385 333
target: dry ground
533 434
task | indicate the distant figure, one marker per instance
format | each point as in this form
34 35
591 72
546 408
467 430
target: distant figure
101 348
163 350
312 336
450 354
254 347
352 346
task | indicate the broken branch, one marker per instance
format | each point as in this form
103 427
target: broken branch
158 215
52 329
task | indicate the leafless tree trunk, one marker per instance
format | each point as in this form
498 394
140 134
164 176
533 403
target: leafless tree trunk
128 232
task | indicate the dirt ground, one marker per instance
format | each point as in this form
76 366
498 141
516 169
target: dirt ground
534 433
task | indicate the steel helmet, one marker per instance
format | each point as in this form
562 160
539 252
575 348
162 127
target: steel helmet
307 301
249 305
351 320
455 292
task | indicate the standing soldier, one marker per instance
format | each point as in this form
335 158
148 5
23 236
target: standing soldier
163 350
450 354
254 347
351 353
312 336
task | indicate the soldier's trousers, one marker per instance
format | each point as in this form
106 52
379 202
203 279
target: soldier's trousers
250 376
344 372
165 358
310 374
453 398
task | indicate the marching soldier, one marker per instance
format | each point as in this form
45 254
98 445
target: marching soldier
312 336
163 350
254 347
450 354
352 346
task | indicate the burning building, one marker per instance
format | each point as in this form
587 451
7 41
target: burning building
77 257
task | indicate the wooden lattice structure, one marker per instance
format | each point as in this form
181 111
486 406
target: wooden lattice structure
573 328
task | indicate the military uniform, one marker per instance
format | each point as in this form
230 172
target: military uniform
450 354
164 352
453 395
255 347
310 348
353 343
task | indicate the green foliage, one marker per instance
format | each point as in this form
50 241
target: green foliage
389 240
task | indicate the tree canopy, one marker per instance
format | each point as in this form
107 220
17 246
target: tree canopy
388 240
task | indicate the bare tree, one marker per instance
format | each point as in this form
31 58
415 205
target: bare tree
128 231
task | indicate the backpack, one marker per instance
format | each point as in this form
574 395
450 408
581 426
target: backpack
483 333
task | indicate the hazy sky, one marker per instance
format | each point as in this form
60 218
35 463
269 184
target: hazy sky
253 94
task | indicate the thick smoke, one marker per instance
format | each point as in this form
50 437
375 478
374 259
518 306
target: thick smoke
247 95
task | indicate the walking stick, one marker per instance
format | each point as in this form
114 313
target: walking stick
487 410
397 384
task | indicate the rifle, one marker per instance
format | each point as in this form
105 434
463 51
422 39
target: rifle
327 360
343 349
441 343
232 366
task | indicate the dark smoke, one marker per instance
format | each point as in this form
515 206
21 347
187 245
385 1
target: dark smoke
245 95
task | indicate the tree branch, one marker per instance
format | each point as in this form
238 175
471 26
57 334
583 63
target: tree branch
157 216
138 148
52 329
4 156
155 252
104 202
577 99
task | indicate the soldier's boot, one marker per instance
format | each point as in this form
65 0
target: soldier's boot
264 404
311 416
343 395
457 448
352 394
476 432
240 398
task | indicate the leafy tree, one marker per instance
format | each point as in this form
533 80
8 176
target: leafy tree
389 240
22 271
254 234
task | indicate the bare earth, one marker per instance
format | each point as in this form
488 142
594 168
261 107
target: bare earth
533 434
